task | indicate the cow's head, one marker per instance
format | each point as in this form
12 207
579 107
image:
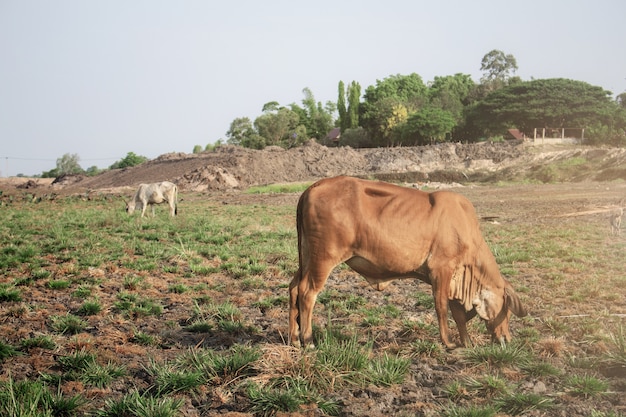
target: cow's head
130 206
495 305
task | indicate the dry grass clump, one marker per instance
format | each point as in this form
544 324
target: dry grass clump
550 347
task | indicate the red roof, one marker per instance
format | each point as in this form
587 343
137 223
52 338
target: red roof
516 134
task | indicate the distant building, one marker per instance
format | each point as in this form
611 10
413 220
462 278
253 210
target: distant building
515 134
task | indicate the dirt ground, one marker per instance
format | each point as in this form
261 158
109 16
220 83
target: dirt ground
231 168
220 176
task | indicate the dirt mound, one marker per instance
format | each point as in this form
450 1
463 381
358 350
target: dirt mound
232 167
235 168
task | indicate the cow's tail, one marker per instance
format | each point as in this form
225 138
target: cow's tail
175 200
300 229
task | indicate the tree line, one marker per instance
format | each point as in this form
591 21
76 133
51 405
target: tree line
70 164
404 110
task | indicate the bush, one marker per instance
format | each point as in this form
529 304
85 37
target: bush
130 160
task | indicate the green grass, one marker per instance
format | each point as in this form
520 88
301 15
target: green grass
278 188
199 303
33 399
67 324
6 351
9 293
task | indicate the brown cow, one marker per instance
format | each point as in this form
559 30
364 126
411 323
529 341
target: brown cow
385 232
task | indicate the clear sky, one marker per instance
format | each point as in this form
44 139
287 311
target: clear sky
104 78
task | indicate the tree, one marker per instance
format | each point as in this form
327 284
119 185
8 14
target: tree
497 66
92 171
354 99
69 164
341 107
380 110
427 125
280 128
451 93
197 149
316 118
621 100
349 116
243 133
130 160
556 103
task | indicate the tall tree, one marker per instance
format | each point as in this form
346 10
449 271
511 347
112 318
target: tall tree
341 107
317 118
497 66
354 100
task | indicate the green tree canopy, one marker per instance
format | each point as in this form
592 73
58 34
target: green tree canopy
427 125
498 66
556 103
452 93
316 118
130 160
280 128
243 133
385 104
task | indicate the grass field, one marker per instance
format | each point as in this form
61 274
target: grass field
106 314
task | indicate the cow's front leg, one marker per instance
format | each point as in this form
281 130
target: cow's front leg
440 294
461 317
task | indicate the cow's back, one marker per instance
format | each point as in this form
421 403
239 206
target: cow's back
378 219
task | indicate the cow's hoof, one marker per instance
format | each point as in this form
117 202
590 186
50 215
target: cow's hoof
295 343
452 346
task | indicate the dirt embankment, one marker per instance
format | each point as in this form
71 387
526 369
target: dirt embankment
233 168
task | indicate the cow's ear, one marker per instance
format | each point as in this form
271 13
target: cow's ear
513 302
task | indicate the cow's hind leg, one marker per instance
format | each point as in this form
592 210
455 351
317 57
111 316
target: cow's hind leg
311 283
294 310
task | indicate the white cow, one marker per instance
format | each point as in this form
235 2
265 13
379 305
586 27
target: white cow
151 194
616 221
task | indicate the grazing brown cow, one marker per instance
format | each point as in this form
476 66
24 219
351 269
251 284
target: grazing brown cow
385 232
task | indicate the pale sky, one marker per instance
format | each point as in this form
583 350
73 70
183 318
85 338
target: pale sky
104 78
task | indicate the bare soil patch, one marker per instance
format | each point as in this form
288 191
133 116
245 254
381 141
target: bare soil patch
231 168
596 186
